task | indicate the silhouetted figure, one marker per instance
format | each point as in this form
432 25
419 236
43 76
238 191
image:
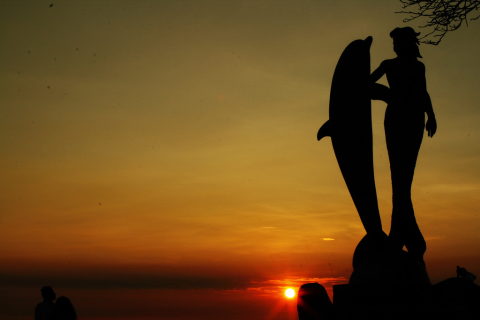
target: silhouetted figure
404 123
313 303
350 128
46 309
65 310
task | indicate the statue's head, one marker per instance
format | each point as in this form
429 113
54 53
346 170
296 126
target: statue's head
405 42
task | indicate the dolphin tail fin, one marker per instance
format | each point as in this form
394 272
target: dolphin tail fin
325 130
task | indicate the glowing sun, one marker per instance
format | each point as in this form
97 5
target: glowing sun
290 293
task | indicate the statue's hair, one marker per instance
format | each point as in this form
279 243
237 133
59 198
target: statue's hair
408 39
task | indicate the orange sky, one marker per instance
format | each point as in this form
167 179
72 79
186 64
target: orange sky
145 141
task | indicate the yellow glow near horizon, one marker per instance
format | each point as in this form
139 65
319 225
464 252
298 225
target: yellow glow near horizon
290 293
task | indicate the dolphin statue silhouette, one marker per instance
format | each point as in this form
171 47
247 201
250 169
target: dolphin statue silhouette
350 128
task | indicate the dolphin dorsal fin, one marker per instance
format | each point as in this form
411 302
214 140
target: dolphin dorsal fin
325 130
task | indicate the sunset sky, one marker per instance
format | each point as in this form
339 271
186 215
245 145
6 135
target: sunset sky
159 158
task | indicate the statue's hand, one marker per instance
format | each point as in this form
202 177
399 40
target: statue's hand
431 126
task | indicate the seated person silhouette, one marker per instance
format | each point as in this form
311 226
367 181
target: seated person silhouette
65 310
404 124
45 310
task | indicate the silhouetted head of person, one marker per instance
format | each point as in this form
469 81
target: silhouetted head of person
48 293
405 42
65 309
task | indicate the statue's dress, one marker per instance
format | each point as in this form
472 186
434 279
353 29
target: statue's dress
404 127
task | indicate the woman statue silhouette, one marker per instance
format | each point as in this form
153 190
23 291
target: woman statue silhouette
404 123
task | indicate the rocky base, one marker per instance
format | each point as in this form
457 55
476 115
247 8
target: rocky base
453 299
389 285
392 268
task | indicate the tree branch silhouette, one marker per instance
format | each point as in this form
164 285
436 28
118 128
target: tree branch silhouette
443 15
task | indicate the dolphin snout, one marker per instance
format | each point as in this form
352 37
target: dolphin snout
368 41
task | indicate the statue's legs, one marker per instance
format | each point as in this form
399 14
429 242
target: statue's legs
404 136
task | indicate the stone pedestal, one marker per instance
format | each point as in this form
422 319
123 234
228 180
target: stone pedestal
390 269
390 285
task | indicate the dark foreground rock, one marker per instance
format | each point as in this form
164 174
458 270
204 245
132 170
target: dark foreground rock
452 299
390 285
390 268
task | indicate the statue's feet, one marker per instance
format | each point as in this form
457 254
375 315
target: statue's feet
416 246
411 238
